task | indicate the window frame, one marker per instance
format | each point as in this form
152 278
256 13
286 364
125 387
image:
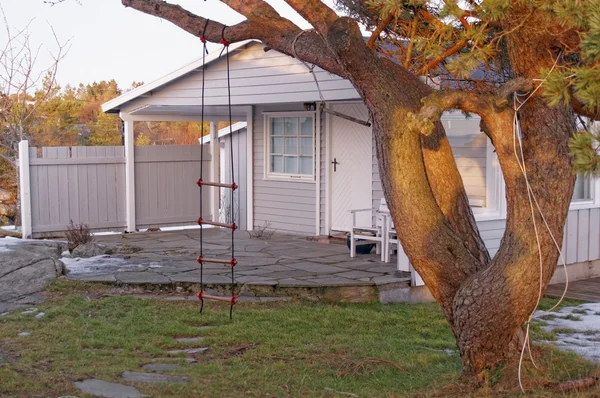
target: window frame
267 173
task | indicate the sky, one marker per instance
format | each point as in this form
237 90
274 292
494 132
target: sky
109 41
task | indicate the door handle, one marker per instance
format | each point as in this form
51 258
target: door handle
335 163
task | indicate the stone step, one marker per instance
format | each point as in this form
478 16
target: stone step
154 378
188 351
160 367
101 388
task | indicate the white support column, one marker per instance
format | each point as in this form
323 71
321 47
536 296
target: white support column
25 189
250 168
318 168
129 176
214 171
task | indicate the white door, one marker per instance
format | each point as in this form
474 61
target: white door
351 167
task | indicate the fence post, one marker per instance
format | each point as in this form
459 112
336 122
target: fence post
129 175
25 189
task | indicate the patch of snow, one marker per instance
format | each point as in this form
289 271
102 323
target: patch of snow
107 233
24 334
9 228
40 315
584 323
29 311
4 313
95 264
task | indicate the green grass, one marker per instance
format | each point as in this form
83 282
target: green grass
296 349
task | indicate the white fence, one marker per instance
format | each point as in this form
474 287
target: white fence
88 185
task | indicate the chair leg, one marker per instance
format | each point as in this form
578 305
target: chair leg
352 245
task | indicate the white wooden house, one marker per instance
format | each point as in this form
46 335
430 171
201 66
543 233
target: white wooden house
304 169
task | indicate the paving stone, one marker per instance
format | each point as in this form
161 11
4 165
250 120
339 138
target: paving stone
94 278
385 269
172 359
291 282
380 280
154 378
338 281
189 339
100 388
161 367
188 351
318 268
357 274
141 277
253 278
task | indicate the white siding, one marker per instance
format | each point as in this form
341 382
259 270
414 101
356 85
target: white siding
257 77
290 206
469 148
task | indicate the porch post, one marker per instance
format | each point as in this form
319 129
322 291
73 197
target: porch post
249 168
25 189
129 175
214 171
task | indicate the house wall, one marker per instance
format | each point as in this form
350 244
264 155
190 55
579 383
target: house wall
289 206
240 161
469 147
257 77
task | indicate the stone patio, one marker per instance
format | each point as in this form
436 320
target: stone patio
283 265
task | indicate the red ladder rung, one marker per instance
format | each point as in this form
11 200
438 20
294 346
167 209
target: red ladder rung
232 226
233 186
232 261
231 300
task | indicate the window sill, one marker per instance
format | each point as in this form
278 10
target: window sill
583 204
483 214
301 179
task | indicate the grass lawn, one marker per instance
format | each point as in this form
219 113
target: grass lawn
296 349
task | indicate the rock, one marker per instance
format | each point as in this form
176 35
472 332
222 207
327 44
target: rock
153 378
100 388
160 367
90 249
24 334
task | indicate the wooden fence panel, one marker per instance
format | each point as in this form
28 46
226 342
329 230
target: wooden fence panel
82 184
165 185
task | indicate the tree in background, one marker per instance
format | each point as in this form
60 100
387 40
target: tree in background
25 87
534 61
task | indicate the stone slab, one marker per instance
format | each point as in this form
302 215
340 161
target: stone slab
101 388
141 277
161 367
188 351
153 378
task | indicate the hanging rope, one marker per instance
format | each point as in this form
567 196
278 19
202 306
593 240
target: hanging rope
232 262
204 52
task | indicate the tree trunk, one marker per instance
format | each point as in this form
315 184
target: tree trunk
486 303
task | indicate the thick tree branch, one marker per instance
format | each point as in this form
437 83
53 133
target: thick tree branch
315 12
263 24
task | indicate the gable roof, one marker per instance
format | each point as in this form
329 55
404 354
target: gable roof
114 105
224 131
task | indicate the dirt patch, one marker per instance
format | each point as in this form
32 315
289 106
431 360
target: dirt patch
230 352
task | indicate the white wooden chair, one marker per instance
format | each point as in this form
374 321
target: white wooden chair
367 234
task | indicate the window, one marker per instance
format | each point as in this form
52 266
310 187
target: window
582 190
290 147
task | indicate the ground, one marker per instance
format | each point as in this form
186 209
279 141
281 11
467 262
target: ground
99 339
291 348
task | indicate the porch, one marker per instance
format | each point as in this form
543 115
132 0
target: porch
282 265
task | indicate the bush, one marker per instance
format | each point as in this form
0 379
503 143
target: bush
78 234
